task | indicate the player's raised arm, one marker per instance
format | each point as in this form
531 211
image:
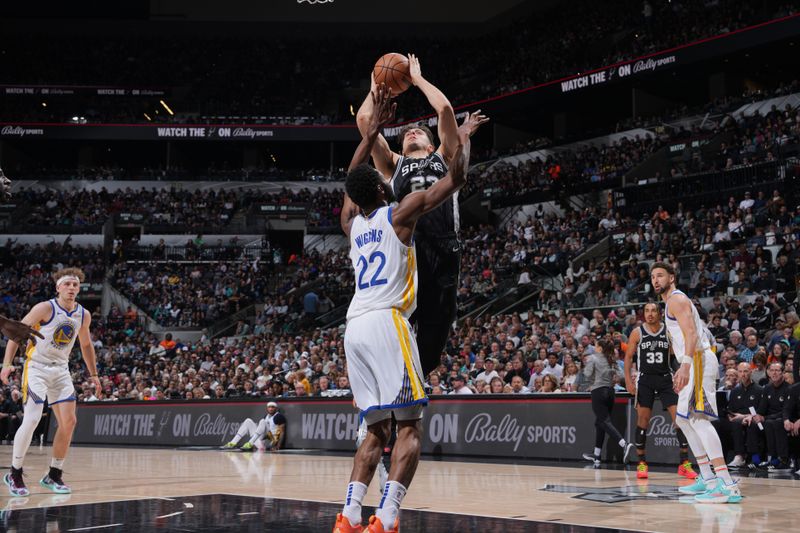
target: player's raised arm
382 113
448 127
383 157
416 204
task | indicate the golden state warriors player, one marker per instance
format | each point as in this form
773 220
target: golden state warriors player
382 356
695 383
46 376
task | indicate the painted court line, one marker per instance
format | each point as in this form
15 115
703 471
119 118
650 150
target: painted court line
94 527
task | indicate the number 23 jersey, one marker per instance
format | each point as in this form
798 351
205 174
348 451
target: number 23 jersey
413 175
385 268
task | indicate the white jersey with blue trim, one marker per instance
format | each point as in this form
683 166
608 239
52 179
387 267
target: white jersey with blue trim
385 268
676 335
60 333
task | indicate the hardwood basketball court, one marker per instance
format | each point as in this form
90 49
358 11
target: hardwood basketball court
147 489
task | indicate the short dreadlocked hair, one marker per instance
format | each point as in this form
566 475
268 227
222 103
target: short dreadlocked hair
362 185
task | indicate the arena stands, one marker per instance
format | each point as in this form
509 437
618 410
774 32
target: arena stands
549 45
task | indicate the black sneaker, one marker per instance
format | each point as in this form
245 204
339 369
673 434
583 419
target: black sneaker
16 486
54 482
780 467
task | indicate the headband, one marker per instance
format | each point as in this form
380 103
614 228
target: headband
68 277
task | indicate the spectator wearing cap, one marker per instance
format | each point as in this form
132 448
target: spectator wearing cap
489 373
460 385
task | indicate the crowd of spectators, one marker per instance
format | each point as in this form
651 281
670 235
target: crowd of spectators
191 211
550 44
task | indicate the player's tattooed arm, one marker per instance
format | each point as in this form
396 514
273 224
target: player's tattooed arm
383 113
383 157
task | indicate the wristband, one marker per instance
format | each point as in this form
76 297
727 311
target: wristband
7 366
92 375
687 359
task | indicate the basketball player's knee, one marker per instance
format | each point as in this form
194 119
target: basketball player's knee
643 418
683 423
382 431
68 421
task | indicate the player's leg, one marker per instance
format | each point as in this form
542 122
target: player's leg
32 412
640 440
64 411
705 406
256 435
685 467
366 460
405 459
685 408
246 428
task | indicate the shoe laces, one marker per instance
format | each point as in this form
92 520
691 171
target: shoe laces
642 467
688 466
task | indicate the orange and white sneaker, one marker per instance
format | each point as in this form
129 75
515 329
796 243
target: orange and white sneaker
343 525
641 470
685 469
376 526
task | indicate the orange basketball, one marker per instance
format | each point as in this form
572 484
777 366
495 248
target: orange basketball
392 69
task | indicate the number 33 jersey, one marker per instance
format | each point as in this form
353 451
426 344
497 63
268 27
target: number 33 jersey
385 268
413 175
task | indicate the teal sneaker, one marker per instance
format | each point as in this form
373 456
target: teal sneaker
721 493
54 482
247 447
698 487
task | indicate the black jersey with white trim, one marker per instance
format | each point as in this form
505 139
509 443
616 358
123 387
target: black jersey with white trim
652 354
417 174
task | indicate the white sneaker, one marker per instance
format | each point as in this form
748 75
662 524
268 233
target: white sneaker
628 453
737 462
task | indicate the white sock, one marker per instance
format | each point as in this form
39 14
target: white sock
393 494
57 463
597 452
705 470
622 443
722 472
352 503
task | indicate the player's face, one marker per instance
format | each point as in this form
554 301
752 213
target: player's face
661 280
652 314
271 410
416 139
69 290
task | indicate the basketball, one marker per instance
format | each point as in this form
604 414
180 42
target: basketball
392 69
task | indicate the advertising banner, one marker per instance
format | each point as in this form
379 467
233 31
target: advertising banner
543 427
182 132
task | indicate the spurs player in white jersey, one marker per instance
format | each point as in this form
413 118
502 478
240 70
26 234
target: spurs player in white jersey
46 376
695 383
382 356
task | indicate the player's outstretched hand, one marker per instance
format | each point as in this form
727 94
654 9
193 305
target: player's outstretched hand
414 70
384 107
18 332
473 121
5 186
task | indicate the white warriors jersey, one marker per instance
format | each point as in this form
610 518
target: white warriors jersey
385 268
676 335
59 334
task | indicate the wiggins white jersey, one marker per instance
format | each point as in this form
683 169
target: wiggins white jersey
676 335
385 268
59 334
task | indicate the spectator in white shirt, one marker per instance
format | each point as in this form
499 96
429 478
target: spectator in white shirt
747 202
552 366
489 372
460 385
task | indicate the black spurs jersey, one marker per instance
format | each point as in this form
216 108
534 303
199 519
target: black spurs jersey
652 354
412 175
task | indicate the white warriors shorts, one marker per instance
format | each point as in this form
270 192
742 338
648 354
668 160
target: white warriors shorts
42 381
383 366
699 396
